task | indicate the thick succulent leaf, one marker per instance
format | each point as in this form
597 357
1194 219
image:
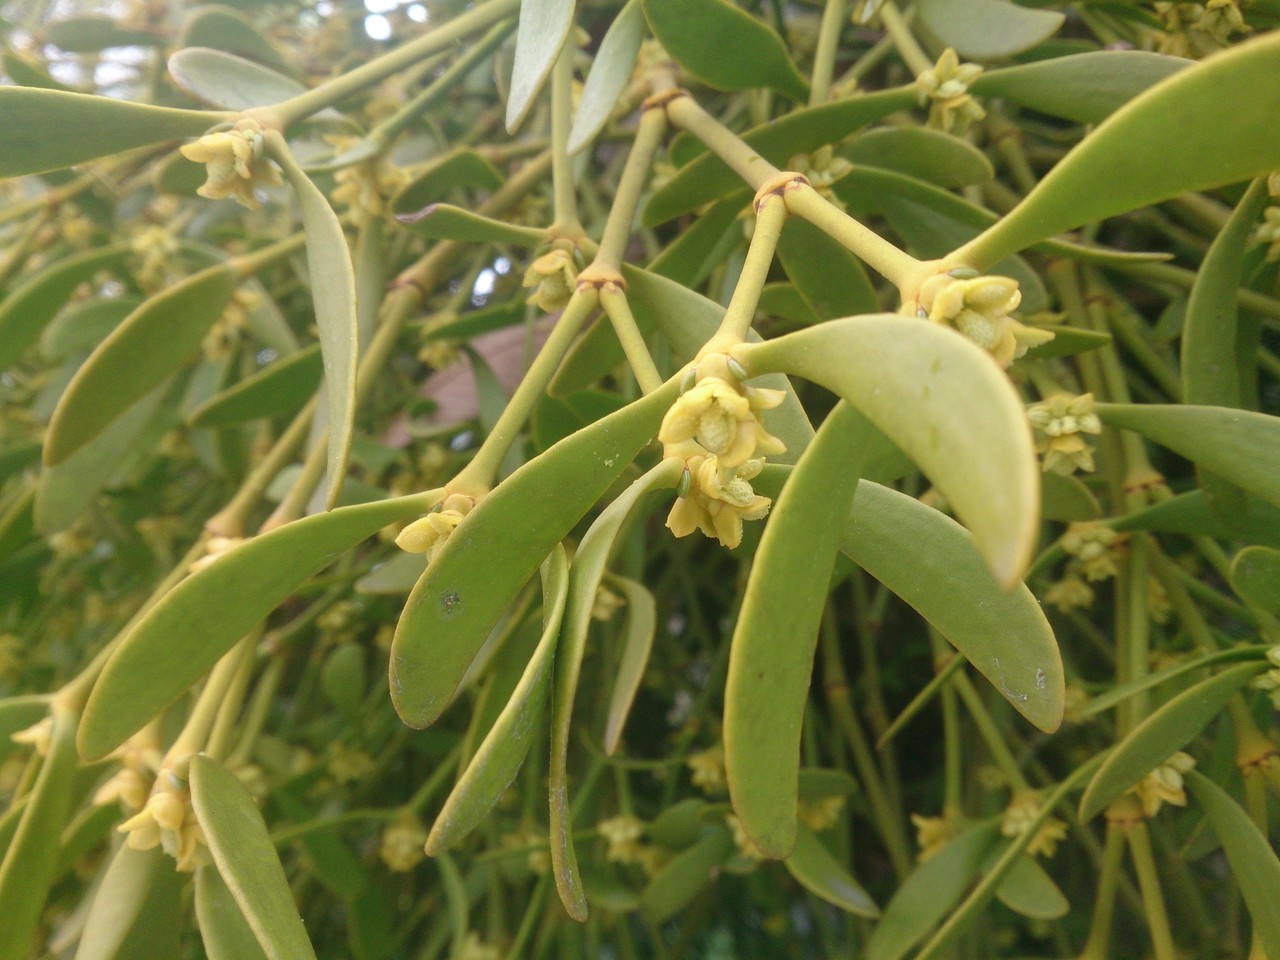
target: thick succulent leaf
1161 734
948 406
247 860
499 757
1253 862
482 567
443 221
119 900
1027 889
1237 445
93 34
34 302
642 622
333 294
831 280
921 152
543 29
223 929
84 325
282 387
685 876
771 656
1255 576
987 29
1174 138
50 129
187 631
698 32
815 869
229 82
223 29
609 74
153 343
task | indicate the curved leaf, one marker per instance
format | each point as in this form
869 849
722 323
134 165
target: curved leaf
462 167
685 876
482 567
155 341
1255 577
930 155
119 900
1253 863
947 405
609 74
642 619
987 29
1162 734
51 129
1027 889
443 221
224 29
28 307
247 861
200 619
223 929
333 294
1238 445
831 280
499 757
1174 138
1123 691
281 387
815 869
697 33
230 82
84 325
93 34
771 656
543 29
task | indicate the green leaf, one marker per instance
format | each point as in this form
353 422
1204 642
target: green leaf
199 620
1123 691
462 167
1027 889
30 861
1084 87
394 577
155 341
947 405
343 679
84 325
815 869
1174 138
642 621
65 490
1238 445
1068 342
543 29
27 73
230 82
282 387
119 899
480 570
1211 346
1190 513
333 294
771 655
609 74
94 34
987 29
246 858
223 928
1253 863
224 29
697 33
495 764
328 857
829 277
685 876
51 129
443 221
1161 734
1255 577
1067 499
30 305
920 152
928 894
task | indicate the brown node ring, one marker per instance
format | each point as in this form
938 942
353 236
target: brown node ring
779 185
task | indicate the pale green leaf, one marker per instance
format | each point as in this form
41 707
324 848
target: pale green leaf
831 280
1026 888
92 34
119 900
443 221
84 325
930 155
223 29
223 928
1255 576
462 167
543 29
247 861
609 74
642 620
282 387
987 29
813 866
685 876
230 82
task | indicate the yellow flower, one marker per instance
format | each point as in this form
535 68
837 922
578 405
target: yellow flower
1018 816
724 419
428 534
945 88
1164 784
1270 681
473 948
140 760
1069 593
553 277
718 501
979 307
169 821
235 162
623 833
1059 423
1096 546
38 735
605 604
822 813
932 834
746 846
707 769
822 168
403 843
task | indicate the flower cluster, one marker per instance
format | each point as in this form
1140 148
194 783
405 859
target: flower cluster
365 186
1096 546
140 759
169 821
822 168
980 308
236 163
1060 423
428 534
403 842
715 428
707 769
1018 817
1270 681
946 89
553 277
932 834
1164 784
1197 29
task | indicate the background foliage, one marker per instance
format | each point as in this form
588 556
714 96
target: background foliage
335 338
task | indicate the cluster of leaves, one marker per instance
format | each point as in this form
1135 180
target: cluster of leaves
320 358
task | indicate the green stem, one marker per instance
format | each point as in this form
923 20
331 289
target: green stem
284 115
233 697
1144 864
249 264
615 305
626 199
771 214
898 267
685 113
1104 909
824 57
909 48
566 221
990 734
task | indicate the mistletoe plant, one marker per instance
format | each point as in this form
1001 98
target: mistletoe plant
268 370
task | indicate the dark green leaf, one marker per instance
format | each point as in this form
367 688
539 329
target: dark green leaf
282 387
1255 576
685 876
821 874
